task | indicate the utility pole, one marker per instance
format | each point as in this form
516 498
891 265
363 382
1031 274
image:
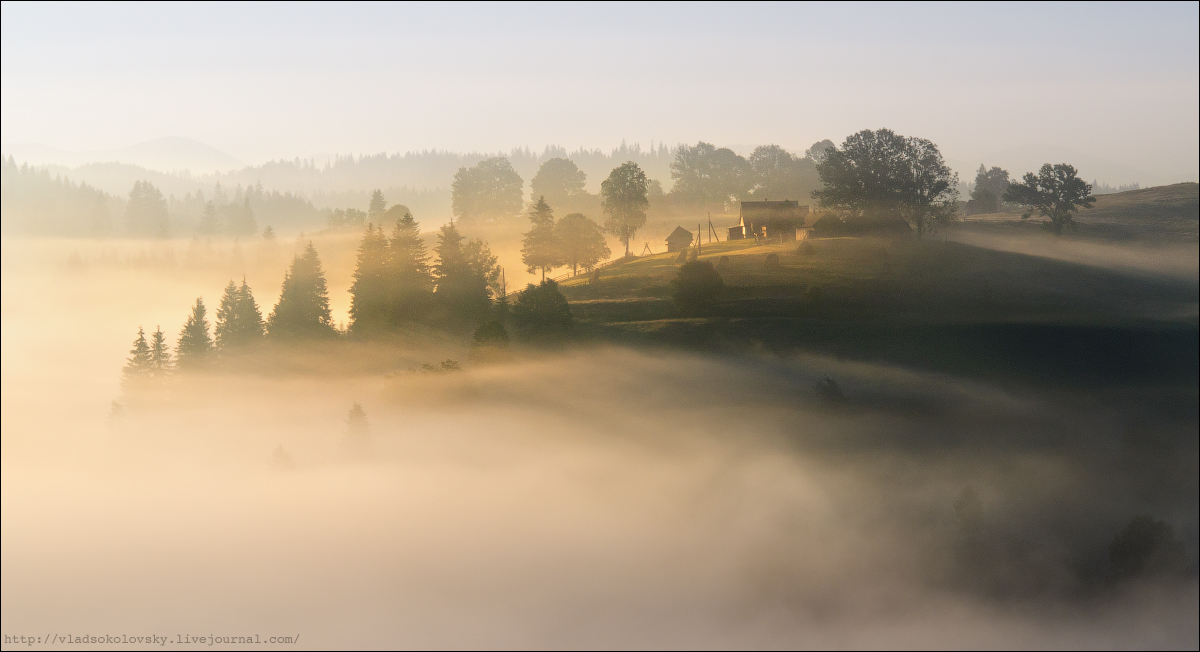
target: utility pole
697 239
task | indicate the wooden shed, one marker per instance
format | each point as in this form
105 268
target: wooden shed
679 239
769 219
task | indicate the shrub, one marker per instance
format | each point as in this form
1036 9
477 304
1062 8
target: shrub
541 313
696 285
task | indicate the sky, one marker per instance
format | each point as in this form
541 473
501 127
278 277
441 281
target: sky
1113 82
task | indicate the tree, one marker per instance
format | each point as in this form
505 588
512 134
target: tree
558 181
696 285
139 367
990 186
624 202
541 313
210 221
160 355
460 290
490 343
146 211
817 152
239 320
408 269
541 249
708 175
377 206
371 292
580 241
1054 192
880 175
486 192
777 174
239 219
268 234
303 306
195 346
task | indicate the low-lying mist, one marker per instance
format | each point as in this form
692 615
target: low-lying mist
586 497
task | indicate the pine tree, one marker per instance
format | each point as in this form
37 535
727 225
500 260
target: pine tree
195 346
377 206
139 367
250 320
461 293
160 355
408 263
303 307
239 321
370 294
210 221
541 248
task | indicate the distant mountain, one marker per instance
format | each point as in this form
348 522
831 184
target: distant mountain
162 154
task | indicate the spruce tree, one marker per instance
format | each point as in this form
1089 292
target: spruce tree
239 321
408 270
541 248
461 293
195 346
250 320
303 307
370 294
377 206
160 355
139 367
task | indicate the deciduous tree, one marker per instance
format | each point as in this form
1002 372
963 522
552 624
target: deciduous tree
488 191
1055 192
581 242
624 202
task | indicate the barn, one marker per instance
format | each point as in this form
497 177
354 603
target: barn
769 220
679 239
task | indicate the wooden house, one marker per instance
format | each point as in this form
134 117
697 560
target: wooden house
679 239
769 220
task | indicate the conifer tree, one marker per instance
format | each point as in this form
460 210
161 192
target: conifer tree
303 307
541 248
250 319
160 354
408 270
461 293
239 321
139 367
370 294
195 346
377 206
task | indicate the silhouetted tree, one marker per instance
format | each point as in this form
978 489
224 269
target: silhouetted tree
558 181
146 211
358 430
541 313
239 320
777 174
581 244
489 191
371 293
1054 192
705 174
990 186
817 151
377 206
160 355
408 269
303 306
460 291
880 174
540 250
696 285
268 233
195 346
139 367
490 343
624 202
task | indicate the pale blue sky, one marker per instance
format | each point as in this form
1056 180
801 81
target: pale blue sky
1117 82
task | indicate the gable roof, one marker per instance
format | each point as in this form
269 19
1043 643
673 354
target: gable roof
680 234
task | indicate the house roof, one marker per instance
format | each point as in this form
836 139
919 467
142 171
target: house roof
680 233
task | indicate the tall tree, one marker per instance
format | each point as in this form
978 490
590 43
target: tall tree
160 355
371 291
817 152
377 206
408 269
139 367
990 186
707 175
540 248
461 292
210 221
558 181
195 346
879 175
1055 192
239 320
624 202
581 242
777 174
146 211
486 192
303 306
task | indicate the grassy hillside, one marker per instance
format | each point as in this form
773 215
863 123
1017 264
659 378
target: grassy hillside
1164 214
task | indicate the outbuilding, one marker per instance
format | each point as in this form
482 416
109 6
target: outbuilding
679 239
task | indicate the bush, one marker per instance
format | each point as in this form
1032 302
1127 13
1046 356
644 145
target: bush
696 285
541 313
490 343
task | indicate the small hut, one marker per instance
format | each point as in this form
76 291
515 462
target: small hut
679 239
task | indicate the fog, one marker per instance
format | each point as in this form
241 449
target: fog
586 497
